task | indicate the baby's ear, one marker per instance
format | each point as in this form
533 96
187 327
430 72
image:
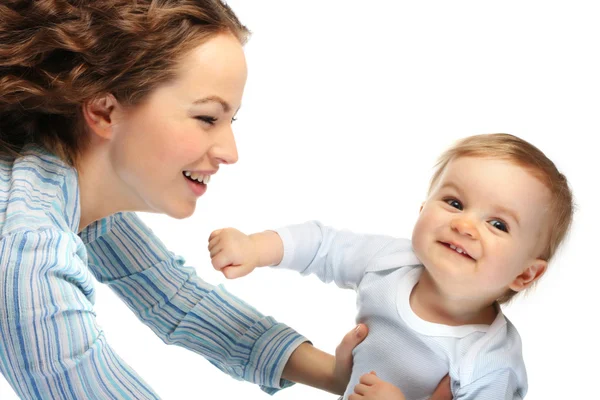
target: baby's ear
532 273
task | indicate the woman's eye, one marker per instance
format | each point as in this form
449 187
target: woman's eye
454 203
207 119
233 119
496 223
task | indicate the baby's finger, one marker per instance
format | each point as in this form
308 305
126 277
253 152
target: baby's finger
221 261
214 241
234 271
355 396
213 248
214 251
361 389
214 234
369 379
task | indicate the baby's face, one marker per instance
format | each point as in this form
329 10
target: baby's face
482 226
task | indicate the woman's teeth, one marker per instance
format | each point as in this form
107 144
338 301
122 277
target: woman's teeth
196 177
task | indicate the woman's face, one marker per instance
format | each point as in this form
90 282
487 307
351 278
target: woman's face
182 128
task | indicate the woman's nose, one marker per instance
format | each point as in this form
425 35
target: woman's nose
224 150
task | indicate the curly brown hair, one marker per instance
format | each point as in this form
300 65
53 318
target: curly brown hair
55 55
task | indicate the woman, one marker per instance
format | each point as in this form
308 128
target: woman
107 108
114 107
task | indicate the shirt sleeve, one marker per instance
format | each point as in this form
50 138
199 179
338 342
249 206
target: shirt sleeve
340 256
50 344
497 385
184 310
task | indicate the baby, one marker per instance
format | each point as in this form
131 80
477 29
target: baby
496 211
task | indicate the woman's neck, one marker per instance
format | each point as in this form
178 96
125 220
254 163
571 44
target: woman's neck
101 193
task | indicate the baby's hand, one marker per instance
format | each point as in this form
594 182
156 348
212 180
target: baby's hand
373 388
232 252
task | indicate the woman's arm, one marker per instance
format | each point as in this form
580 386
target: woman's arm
51 346
311 366
183 309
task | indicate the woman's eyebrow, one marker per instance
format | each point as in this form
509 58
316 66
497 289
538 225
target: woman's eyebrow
223 103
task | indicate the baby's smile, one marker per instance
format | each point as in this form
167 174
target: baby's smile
457 249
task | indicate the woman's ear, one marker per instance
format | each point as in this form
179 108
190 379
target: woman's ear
99 115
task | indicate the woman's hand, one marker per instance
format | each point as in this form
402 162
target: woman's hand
344 359
443 390
311 366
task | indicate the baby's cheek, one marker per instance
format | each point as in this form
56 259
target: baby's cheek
499 273
418 240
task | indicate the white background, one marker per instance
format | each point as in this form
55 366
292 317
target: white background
347 106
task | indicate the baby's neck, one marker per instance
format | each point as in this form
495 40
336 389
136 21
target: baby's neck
431 305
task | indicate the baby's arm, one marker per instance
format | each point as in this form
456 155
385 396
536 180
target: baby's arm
311 248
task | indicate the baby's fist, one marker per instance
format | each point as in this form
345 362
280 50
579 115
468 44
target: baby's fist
232 252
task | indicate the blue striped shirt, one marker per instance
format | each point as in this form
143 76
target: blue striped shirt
50 344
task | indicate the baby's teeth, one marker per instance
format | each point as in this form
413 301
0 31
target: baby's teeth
453 247
460 251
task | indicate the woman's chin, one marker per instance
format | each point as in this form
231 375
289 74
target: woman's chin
181 211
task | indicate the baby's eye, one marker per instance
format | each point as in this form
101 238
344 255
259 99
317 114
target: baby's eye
233 119
454 203
496 223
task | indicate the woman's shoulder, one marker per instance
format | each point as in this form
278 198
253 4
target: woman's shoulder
37 191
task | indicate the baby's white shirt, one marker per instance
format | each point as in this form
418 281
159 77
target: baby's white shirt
484 361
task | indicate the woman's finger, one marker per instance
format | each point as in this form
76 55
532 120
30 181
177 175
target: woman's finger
343 352
443 390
